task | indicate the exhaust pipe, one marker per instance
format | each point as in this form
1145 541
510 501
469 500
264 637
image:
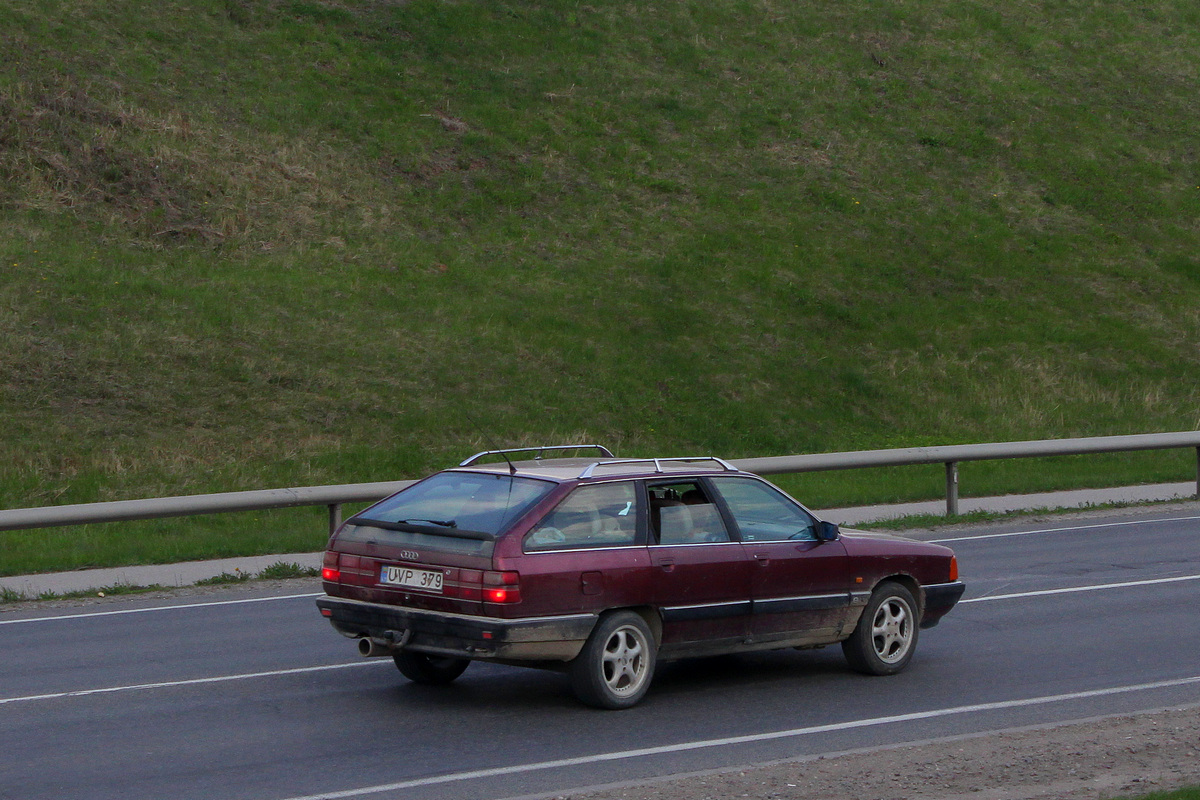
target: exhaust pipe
385 644
370 648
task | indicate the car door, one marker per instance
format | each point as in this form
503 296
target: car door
700 576
800 585
587 554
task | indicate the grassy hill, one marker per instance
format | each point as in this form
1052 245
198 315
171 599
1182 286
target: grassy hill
258 243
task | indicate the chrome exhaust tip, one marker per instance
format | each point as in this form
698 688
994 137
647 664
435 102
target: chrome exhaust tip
385 644
369 648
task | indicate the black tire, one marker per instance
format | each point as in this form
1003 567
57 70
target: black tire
616 665
429 670
886 636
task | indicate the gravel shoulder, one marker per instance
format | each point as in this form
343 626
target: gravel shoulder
1108 757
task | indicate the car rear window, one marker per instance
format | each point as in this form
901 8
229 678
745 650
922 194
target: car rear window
466 505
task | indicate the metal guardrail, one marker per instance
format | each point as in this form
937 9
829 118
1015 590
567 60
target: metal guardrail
164 507
333 497
952 455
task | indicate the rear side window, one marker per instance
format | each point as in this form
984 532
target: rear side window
458 502
683 513
598 515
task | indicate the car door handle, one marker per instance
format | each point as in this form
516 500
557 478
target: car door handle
666 566
762 558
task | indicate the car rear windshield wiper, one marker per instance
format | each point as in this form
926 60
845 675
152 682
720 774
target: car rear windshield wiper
449 523
429 526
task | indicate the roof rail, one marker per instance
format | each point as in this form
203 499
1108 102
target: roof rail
538 450
658 462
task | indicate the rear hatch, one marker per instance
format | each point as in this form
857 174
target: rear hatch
408 568
430 546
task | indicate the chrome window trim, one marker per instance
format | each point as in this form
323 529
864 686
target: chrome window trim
693 606
826 596
598 549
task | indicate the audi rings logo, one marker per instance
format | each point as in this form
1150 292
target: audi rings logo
411 555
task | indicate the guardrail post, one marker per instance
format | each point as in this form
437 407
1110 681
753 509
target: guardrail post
335 517
952 488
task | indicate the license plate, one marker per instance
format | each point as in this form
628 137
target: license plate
423 579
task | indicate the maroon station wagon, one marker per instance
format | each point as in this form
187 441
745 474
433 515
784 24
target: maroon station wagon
600 567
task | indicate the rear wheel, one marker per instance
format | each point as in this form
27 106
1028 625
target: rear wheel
429 670
886 636
615 666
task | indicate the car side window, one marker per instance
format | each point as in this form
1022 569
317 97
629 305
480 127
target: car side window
763 513
599 515
683 513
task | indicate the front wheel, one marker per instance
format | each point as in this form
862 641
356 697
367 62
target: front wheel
429 670
616 664
886 636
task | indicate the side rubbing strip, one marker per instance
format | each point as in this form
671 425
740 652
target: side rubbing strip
789 605
739 608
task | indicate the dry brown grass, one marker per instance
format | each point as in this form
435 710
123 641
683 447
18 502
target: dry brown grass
164 177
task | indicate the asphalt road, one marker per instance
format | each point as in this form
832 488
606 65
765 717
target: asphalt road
247 693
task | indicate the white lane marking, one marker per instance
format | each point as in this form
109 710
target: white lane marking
748 739
1062 530
190 682
157 608
1073 589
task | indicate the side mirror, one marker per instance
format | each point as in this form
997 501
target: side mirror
827 531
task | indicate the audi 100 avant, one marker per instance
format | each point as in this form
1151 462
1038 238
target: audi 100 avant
601 567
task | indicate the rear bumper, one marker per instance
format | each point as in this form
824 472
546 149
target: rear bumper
939 599
558 638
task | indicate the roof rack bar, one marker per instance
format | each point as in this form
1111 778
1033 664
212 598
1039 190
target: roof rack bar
604 451
657 462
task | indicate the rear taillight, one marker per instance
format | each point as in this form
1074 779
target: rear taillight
953 568
331 568
502 587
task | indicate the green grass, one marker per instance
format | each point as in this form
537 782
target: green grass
302 530
277 571
1190 793
262 243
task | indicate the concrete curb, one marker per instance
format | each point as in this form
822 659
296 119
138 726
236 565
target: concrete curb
169 576
190 572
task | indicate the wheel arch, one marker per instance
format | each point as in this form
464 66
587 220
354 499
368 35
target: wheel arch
649 614
908 582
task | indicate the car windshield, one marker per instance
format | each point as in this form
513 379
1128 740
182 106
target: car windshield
460 502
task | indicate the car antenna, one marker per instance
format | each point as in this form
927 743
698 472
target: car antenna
512 469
